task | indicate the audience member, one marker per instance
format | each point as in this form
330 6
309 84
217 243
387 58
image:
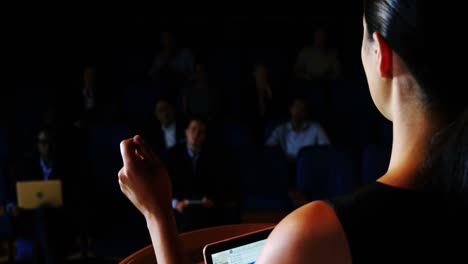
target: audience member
257 104
165 129
297 133
46 233
197 98
172 66
317 60
82 103
192 167
61 123
88 89
263 89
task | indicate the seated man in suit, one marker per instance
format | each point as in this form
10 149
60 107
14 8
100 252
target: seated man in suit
193 168
42 234
165 129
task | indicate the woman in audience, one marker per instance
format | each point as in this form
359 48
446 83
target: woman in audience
417 210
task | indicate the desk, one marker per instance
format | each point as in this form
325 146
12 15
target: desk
194 241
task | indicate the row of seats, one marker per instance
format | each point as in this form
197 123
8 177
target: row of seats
321 172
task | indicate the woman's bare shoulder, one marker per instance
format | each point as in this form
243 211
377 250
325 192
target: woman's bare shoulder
310 234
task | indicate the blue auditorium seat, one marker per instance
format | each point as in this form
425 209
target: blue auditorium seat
325 171
265 186
237 135
354 115
375 161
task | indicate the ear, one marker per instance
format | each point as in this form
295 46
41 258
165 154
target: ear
383 54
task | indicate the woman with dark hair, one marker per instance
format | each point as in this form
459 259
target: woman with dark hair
415 212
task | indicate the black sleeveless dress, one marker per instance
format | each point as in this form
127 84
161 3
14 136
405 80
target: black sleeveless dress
384 224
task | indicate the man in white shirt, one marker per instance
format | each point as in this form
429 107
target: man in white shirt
299 132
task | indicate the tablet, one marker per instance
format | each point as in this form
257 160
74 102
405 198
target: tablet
242 249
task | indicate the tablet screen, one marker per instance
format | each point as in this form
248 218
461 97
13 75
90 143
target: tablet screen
245 254
242 249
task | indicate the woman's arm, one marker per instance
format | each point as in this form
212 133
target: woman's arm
310 234
165 238
145 182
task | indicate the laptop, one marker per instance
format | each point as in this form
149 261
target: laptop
34 194
242 249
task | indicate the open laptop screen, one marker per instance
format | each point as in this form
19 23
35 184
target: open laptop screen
242 249
34 194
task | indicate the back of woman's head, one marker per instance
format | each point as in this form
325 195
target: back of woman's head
426 35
